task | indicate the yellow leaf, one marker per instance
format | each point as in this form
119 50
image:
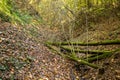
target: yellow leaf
0 40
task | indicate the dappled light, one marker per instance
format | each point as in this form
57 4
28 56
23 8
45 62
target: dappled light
59 39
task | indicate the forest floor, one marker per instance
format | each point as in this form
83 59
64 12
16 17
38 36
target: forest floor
22 58
25 58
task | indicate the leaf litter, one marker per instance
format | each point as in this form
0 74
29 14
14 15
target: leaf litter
25 58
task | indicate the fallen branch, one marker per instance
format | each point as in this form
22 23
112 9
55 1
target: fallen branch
54 50
80 61
84 51
106 42
98 57
86 61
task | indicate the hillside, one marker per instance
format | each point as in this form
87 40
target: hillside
26 58
59 39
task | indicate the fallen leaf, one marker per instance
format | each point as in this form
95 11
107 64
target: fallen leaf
1 32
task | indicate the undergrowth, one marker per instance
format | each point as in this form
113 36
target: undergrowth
10 13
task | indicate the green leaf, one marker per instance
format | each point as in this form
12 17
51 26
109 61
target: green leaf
2 68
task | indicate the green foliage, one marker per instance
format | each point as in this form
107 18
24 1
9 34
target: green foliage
9 12
2 68
54 12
